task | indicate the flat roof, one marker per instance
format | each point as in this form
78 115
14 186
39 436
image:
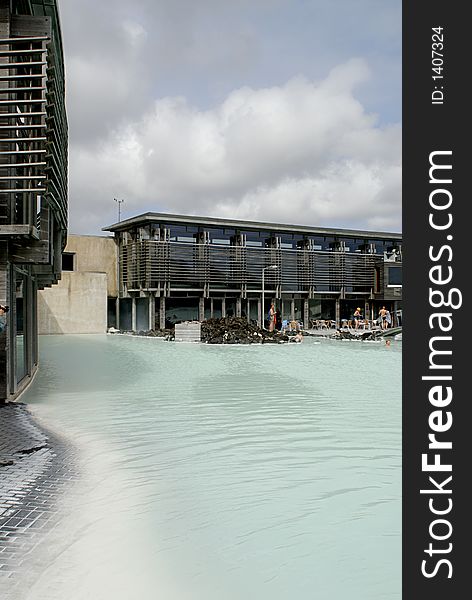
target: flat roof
152 217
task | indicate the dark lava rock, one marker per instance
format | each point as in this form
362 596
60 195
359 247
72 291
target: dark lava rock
237 330
347 335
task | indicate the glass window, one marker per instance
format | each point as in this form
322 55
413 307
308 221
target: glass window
219 236
68 261
379 246
394 276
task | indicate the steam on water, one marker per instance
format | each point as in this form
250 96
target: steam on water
235 472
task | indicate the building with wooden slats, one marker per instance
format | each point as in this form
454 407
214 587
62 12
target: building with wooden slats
33 176
174 267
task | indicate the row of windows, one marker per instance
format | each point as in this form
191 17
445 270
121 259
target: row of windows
261 238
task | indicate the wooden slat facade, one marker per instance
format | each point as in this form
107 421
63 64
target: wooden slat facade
33 176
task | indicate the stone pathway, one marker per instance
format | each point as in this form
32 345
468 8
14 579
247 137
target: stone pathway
35 466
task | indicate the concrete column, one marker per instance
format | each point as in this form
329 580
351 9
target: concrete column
292 310
117 309
305 314
366 310
152 312
162 312
201 309
223 307
259 312
337 312
238 307
133 313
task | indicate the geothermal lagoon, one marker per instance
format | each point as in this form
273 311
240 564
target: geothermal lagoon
222 472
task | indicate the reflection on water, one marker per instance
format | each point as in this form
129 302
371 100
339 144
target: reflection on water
225 473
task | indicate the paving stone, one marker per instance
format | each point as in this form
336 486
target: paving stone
36 467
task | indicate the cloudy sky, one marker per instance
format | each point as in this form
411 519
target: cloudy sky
277 110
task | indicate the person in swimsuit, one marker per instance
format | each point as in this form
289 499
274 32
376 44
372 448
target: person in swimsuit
357 317
272 317
384 314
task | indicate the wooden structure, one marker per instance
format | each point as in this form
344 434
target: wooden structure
175 268
33 176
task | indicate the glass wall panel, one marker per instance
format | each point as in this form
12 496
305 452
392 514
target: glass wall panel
230 307
298 303
125 314
394 276
111 312
347 308
207 314
181 309
253 312
21 306
142 314
314 309
217 303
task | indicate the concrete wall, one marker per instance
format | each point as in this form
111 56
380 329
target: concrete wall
95 254
78 302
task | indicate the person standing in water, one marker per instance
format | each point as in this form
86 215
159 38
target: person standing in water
272 317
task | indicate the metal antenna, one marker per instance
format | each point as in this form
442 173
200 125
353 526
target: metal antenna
119 202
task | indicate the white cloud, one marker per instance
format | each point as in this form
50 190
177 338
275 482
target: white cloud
303 152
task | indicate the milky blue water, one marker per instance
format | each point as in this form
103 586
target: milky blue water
224 472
